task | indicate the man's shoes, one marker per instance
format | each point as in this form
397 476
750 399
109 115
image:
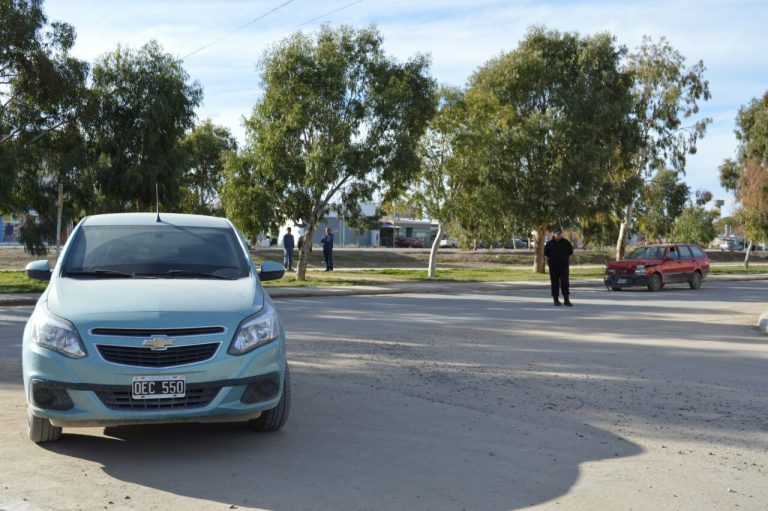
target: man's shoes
568 303
557 302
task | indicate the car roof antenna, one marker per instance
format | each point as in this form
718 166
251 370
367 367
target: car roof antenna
157 202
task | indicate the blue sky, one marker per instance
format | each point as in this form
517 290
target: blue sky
459 35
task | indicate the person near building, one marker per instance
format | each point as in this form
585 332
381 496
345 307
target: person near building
288 244
327 242
558 250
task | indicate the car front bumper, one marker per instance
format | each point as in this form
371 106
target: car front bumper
92 392
622 281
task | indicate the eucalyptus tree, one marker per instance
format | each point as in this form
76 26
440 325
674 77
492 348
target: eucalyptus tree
663 200
695 224
446 189
205 149
667 96
142 102
41 92
747 175
338 124
566 126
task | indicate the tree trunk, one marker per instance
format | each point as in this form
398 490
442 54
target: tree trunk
626 226
306 248
746 257
538 257
433 252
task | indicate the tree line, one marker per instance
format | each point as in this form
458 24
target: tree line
564 130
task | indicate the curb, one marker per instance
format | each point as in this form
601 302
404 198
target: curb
762 323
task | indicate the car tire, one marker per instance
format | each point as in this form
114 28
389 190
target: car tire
275 418
615 289
41 430
654 283
695 282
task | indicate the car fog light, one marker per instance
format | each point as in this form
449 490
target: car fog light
47 396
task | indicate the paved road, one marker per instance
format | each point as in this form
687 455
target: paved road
489 400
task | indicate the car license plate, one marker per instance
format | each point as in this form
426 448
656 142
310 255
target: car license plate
158 387
621 281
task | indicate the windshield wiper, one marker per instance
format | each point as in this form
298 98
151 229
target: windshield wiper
100 272
187 273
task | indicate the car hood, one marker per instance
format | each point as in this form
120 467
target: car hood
631 263
84 299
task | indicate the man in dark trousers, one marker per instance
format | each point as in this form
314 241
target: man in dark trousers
557 251
327 242
288 250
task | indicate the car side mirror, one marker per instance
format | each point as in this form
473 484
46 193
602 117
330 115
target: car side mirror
39 270
271 271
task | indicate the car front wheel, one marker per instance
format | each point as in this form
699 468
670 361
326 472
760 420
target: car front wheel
274 419
695 282
41 430
654 284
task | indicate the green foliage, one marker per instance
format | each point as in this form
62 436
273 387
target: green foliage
560 126
205 149
338 123
141 106
748 175
667 96
695 225
752 131
41 89
662 201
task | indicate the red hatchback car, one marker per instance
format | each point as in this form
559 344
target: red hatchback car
656 265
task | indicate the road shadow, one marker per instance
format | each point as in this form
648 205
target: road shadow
351 446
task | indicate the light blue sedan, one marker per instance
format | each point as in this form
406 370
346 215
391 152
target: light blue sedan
154 318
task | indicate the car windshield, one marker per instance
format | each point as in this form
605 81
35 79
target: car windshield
647 253
164 251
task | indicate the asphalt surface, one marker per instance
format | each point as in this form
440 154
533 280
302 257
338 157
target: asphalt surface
20 299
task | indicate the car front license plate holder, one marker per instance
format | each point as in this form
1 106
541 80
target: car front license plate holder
621 281
159 387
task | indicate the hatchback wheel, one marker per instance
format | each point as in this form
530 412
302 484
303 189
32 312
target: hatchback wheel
655 284
695 282
41 430
274 419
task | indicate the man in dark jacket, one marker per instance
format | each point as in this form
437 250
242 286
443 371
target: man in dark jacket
557 251
288 250
327 242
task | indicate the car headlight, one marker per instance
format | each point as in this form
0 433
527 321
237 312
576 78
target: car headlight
610 271
254 331
640 270
54 333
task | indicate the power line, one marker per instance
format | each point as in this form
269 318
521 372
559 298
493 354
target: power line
328 13
237 29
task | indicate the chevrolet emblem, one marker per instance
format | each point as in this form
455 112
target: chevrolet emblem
159 343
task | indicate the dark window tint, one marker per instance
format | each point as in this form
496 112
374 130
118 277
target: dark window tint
697 251
150 249
684 252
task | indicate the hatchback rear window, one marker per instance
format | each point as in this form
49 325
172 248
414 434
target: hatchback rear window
162 250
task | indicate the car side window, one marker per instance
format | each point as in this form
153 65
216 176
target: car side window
684 252
672 253
697 251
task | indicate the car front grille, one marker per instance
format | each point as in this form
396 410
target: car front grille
144 356
196 397
149 332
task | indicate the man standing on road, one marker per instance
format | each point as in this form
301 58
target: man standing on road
288 250
327 242
557 251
